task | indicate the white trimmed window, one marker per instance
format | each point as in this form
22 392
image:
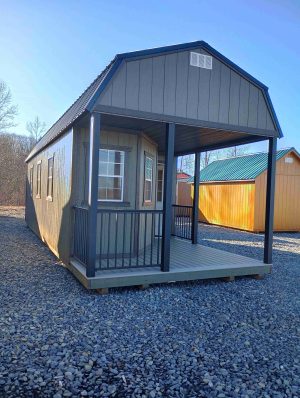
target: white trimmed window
31 179
148 182
111 175
38 179
50 178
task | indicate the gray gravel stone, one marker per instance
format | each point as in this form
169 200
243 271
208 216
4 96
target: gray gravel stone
197 339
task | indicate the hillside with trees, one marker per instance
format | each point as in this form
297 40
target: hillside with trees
14 149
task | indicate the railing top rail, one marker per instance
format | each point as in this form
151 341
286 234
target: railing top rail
187 206
129 211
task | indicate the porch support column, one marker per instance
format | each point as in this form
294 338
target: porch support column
167 213
95 121
269 220
195 215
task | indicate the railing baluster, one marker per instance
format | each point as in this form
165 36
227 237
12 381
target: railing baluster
101 239
151 250
145 238
131 248
123 248
158 241
138 240
116 240
108 240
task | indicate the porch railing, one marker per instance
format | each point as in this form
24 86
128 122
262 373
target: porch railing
182 221
80 239
128 239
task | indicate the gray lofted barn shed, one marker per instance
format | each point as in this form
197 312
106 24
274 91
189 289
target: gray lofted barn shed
101 182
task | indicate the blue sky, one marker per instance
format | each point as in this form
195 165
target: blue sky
50 51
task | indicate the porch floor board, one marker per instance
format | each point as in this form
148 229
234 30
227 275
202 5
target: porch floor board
187 262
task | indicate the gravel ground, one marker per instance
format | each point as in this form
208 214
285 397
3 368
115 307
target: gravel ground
199 339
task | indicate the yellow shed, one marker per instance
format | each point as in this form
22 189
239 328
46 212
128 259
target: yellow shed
233 192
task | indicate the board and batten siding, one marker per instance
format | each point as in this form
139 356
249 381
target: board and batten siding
227 204
169 85
287 196
51 219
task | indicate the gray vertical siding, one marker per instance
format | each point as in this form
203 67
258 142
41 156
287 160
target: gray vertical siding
169 85
51 219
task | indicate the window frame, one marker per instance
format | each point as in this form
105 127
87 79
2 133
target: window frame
50 197
160 168
121 176
148 201
31 179
39 179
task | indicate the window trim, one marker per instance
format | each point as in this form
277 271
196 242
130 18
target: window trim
39 180
121 176
149 156
160 167
50 197
31 179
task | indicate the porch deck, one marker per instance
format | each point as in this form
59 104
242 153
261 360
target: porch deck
188 262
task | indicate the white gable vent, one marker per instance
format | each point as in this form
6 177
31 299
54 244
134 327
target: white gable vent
201 60
289 160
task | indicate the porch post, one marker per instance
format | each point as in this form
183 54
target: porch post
167 213
269 220
95 121
195 215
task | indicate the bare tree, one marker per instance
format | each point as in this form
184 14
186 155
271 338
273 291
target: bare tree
13 151
235 151
8 111
36 129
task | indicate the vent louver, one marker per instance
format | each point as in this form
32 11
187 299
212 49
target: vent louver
200 60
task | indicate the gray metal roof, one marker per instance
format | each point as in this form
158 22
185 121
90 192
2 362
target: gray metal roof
87 100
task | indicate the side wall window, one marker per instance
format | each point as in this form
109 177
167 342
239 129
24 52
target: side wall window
111 175
31 179
39 179
148 179
50 178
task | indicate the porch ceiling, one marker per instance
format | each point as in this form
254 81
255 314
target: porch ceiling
188 138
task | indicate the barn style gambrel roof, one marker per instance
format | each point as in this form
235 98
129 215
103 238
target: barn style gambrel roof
103 94
240 168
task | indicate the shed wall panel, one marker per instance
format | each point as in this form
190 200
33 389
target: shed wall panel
228 204
181 87
224 94
145 95
51 219
287 194
132 84
158 82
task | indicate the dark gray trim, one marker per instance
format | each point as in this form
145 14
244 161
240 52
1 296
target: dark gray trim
167 201
116 63
270 198
195 215
110 110
95 125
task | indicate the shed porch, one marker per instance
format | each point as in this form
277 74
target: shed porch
132 242
187 262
